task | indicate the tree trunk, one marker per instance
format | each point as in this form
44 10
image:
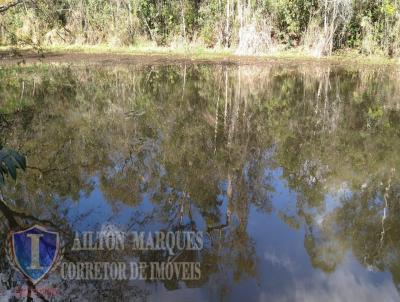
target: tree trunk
227 35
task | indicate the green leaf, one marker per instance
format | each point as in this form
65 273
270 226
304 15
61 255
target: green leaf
11 166
10 161
20 159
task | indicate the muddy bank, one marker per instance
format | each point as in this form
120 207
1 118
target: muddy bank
112 58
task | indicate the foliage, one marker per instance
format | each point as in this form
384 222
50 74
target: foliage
321 25
10 161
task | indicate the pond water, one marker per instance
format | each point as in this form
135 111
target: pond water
291 171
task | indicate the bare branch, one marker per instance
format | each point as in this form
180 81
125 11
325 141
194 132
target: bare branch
7 6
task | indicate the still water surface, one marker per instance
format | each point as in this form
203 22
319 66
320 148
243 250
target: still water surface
294 172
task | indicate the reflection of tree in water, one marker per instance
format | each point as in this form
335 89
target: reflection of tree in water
366 222
200 142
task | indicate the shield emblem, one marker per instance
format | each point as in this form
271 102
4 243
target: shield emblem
35 251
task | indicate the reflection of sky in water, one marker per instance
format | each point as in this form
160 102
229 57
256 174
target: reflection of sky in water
92 211
348 283
232 141
284 271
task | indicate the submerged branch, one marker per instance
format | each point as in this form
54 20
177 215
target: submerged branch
11 215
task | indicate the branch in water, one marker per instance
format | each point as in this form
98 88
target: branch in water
10 215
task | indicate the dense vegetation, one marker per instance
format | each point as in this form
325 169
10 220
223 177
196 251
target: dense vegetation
318 27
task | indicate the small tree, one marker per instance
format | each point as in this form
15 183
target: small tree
331 17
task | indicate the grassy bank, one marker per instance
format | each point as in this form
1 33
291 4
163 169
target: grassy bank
348 57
